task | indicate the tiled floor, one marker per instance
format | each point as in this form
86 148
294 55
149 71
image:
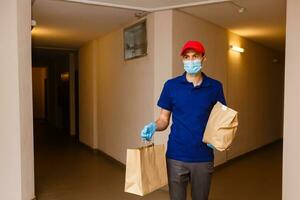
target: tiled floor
66 170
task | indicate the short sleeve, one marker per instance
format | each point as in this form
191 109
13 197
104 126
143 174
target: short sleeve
165 98
220 95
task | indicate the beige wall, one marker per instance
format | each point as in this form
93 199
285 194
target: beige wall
162 62
255 89
253 84
25 89
16 138
87 94
125 93
291 152
123 109
10 168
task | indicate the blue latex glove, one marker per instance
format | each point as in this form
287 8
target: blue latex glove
148 131
211 146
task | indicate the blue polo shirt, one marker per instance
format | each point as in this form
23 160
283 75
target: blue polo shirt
190 107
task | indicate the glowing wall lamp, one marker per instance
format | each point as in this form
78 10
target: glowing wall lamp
237 49
33 24
65 76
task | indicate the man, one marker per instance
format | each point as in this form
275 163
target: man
190 98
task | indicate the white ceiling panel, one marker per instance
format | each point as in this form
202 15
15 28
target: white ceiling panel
150 4
65 24
61 23
263 20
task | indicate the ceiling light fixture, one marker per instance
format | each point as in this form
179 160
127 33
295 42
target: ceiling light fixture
237 49
240 8
33 24
140 14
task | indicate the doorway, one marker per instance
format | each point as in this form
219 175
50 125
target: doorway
55 94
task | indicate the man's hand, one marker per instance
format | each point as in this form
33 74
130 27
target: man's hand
161 124
148 131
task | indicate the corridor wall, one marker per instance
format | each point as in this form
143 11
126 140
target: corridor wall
16 117
119 92
291 152
127 91
253 84
87 94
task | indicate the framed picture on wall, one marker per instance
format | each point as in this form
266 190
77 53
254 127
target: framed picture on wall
135 41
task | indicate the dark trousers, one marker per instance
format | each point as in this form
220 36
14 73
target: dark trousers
197 174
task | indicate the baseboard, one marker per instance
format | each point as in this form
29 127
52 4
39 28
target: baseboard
240 157
110 158
105 155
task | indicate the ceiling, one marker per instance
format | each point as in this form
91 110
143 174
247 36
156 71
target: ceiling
62 23
69 25
148 5
262 21
152 4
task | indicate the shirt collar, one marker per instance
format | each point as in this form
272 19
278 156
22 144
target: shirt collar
205 81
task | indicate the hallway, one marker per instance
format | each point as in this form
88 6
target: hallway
67 170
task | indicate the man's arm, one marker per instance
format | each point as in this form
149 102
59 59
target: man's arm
163 120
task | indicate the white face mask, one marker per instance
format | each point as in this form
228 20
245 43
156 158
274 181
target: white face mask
192 66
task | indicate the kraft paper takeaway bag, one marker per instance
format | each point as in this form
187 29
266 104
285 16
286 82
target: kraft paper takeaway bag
146 169
221 127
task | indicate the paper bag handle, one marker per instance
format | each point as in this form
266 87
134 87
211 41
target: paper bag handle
146 143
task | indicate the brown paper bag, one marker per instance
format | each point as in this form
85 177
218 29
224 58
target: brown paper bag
221 127
146 169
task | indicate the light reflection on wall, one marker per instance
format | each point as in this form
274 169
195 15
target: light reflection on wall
40 31
234 58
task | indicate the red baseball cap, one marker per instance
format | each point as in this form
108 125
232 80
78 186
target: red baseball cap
195 45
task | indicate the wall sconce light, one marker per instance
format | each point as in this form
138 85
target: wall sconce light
237 49
33 24
64 76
